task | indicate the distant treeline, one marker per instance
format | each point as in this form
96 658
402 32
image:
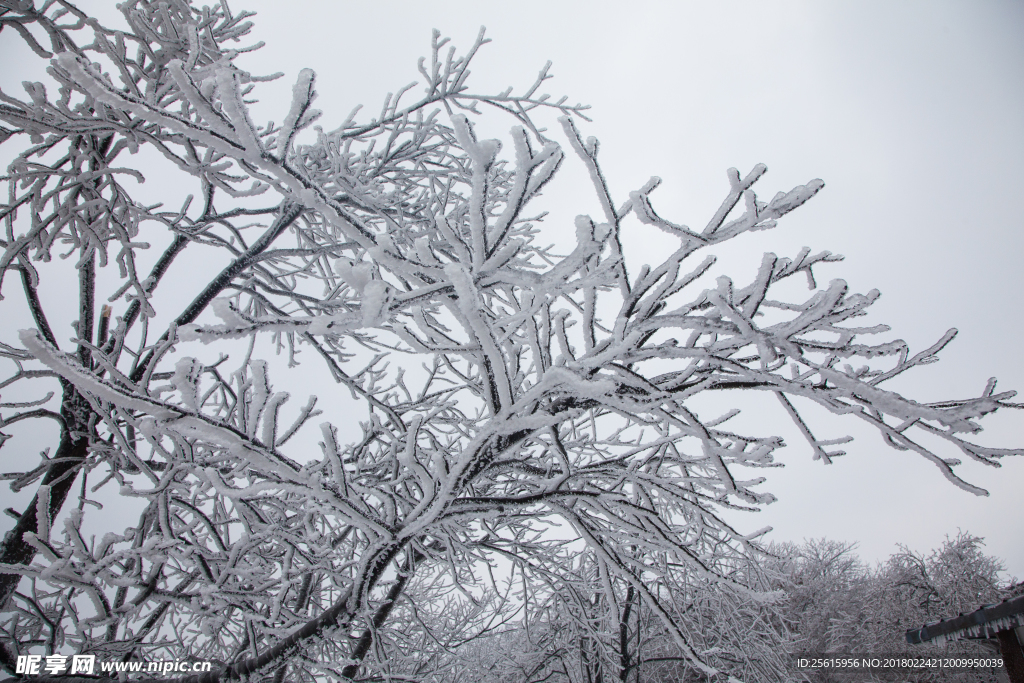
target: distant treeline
828 600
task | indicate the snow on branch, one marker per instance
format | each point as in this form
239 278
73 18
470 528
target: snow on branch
506 400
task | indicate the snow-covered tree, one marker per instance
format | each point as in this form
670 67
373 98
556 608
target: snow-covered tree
516 403
836 603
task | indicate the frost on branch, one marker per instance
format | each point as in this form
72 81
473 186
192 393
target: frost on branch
514 404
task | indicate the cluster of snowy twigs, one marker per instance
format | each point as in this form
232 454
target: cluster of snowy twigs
522 409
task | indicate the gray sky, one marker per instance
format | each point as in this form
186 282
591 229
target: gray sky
912 114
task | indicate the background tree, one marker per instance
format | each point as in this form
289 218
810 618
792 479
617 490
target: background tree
515 399
836 603
833 602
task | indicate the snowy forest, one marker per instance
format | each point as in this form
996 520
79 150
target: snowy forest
353 403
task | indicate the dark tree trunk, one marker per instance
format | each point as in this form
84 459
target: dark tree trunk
73 448
624 656
380 616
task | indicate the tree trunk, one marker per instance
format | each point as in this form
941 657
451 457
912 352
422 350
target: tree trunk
73 448
624 655
380 616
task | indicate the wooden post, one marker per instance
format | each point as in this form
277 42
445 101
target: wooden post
1013 657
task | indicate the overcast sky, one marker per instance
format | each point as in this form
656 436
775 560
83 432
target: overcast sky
910 112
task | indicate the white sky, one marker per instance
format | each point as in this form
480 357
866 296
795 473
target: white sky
911 112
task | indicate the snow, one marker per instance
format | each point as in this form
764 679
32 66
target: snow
514 403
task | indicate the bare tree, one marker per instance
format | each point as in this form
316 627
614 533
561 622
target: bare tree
514 398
